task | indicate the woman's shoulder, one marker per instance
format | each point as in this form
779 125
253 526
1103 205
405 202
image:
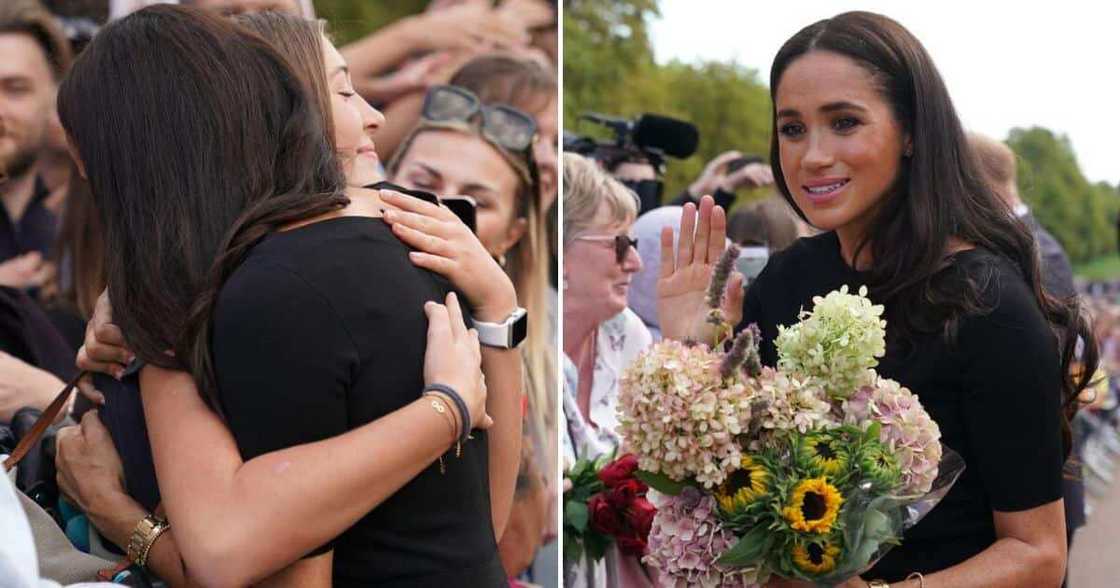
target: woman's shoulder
1007 300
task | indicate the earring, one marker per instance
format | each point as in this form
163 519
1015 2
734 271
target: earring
502 260
909 151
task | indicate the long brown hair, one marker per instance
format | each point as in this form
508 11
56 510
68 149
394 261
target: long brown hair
940 195
198 140
300 41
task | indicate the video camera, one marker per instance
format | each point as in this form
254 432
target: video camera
649 138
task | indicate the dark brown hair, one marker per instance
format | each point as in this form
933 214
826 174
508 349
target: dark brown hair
30 18
300 41
940 195
213 144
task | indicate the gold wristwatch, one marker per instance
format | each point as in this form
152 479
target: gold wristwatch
143 537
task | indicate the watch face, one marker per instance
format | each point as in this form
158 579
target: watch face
518 329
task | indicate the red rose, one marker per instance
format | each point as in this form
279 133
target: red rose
640 516
631 545
619 470
622 495
604 517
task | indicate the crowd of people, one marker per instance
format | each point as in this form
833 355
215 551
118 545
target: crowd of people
303 291
875 183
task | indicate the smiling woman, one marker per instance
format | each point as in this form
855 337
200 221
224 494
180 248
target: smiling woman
867 147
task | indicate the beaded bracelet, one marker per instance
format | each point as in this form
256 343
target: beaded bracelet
464 412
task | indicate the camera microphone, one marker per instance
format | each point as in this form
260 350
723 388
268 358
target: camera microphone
673 137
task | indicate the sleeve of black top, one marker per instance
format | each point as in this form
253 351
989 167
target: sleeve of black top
1011 402
283 359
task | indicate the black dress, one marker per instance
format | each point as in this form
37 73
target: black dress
994 393
322 330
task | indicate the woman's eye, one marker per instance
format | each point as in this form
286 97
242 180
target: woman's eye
846 123
791 129
346 95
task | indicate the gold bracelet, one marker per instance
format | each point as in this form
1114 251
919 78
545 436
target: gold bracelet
440 405
143 537
919 576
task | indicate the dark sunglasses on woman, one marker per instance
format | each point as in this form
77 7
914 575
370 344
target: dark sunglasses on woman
622 244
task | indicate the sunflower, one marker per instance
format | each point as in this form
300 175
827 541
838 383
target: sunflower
880 466
824 453
813 506
816 557
743 487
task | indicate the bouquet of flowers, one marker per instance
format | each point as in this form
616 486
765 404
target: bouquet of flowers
606 504
810 471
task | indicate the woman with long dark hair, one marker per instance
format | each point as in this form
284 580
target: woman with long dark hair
315 344
868 147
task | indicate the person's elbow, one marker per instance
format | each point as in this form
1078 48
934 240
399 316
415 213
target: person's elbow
221 561
1048 564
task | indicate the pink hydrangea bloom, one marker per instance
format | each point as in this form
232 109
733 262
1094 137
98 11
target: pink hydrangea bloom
907 430
679 416
686 540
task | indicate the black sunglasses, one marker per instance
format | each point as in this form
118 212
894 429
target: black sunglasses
622 245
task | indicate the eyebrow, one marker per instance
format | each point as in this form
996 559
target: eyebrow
340 69
473 187
830 107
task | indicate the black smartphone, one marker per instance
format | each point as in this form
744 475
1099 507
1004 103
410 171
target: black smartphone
464 207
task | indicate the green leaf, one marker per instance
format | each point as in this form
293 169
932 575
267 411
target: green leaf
660 482
872 433
595 544
573 549
576 515
749 549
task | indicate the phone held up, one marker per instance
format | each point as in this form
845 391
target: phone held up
463 207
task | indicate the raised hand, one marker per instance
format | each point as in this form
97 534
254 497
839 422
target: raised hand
685 273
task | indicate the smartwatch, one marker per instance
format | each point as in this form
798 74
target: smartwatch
506 334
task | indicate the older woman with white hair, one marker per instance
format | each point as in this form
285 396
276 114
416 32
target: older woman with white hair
602 336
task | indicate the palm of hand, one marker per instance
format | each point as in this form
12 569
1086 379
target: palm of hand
680 301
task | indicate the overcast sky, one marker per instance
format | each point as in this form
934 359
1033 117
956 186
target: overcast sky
1054 64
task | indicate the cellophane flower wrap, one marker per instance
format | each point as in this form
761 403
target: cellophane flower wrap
811 471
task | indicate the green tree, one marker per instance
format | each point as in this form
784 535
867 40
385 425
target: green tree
1079 214
609 68
351 20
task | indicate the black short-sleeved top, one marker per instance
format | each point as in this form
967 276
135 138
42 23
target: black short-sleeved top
994 393
322 330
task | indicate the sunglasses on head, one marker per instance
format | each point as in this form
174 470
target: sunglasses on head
622 244
504 125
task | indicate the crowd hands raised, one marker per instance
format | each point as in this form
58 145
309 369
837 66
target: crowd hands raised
211 470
